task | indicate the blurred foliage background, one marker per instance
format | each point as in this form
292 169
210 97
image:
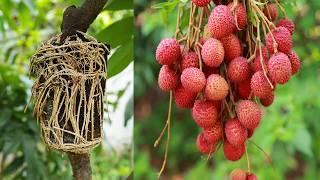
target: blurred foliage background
24 24
290 129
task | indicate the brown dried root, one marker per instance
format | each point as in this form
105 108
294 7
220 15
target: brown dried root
69 91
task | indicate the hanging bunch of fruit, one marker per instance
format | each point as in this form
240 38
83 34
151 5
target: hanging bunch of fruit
224 66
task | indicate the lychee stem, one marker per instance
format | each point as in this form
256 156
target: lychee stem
168 137
178 21
248 160
281 8
228 108
265 154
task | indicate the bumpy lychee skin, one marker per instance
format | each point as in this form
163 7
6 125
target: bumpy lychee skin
201 3
282 37
271 12
238 174
259 85
214 133
249 113
168 51
238 69
184 98
233 153
295 62
252 177
266 102
279 68
244 89
189 59
221 22
240 15
232 47
168 78
212 52
203 145
216 88
193 79
204 113
287 23
236 134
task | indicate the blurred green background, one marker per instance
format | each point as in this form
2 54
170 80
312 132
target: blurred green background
24 24
290 129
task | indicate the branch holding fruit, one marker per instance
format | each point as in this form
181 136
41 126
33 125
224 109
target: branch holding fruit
222 65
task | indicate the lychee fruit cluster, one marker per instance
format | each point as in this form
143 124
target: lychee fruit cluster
224 78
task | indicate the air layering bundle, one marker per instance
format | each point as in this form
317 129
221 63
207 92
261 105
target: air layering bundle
69 91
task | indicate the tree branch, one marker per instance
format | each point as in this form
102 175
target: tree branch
79 19
80 166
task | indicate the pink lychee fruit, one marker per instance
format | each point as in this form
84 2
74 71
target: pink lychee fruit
193 79
216 88
212 52
238 69
236 134
249 113
279 68
168 51
168 78
204 113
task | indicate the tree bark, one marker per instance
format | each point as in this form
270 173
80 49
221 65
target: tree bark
79 19
81 167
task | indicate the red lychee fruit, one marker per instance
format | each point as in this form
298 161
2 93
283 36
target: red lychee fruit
252 177
212 52
266 102
168 51
236 134
232 47
214 133
240 15
244 89
201 3
204 113
259 85
249 113
282 37
287 23
233 153
216 88
238 69
221 22
189 59
193 79
279 68
271 12
295 62
204 146
238 174
168 78
184 98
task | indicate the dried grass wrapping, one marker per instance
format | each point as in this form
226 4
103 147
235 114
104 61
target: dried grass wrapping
69 91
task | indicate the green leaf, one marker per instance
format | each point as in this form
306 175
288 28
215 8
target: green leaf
117 33
302 142
120 59
170 4
128 111
114 5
